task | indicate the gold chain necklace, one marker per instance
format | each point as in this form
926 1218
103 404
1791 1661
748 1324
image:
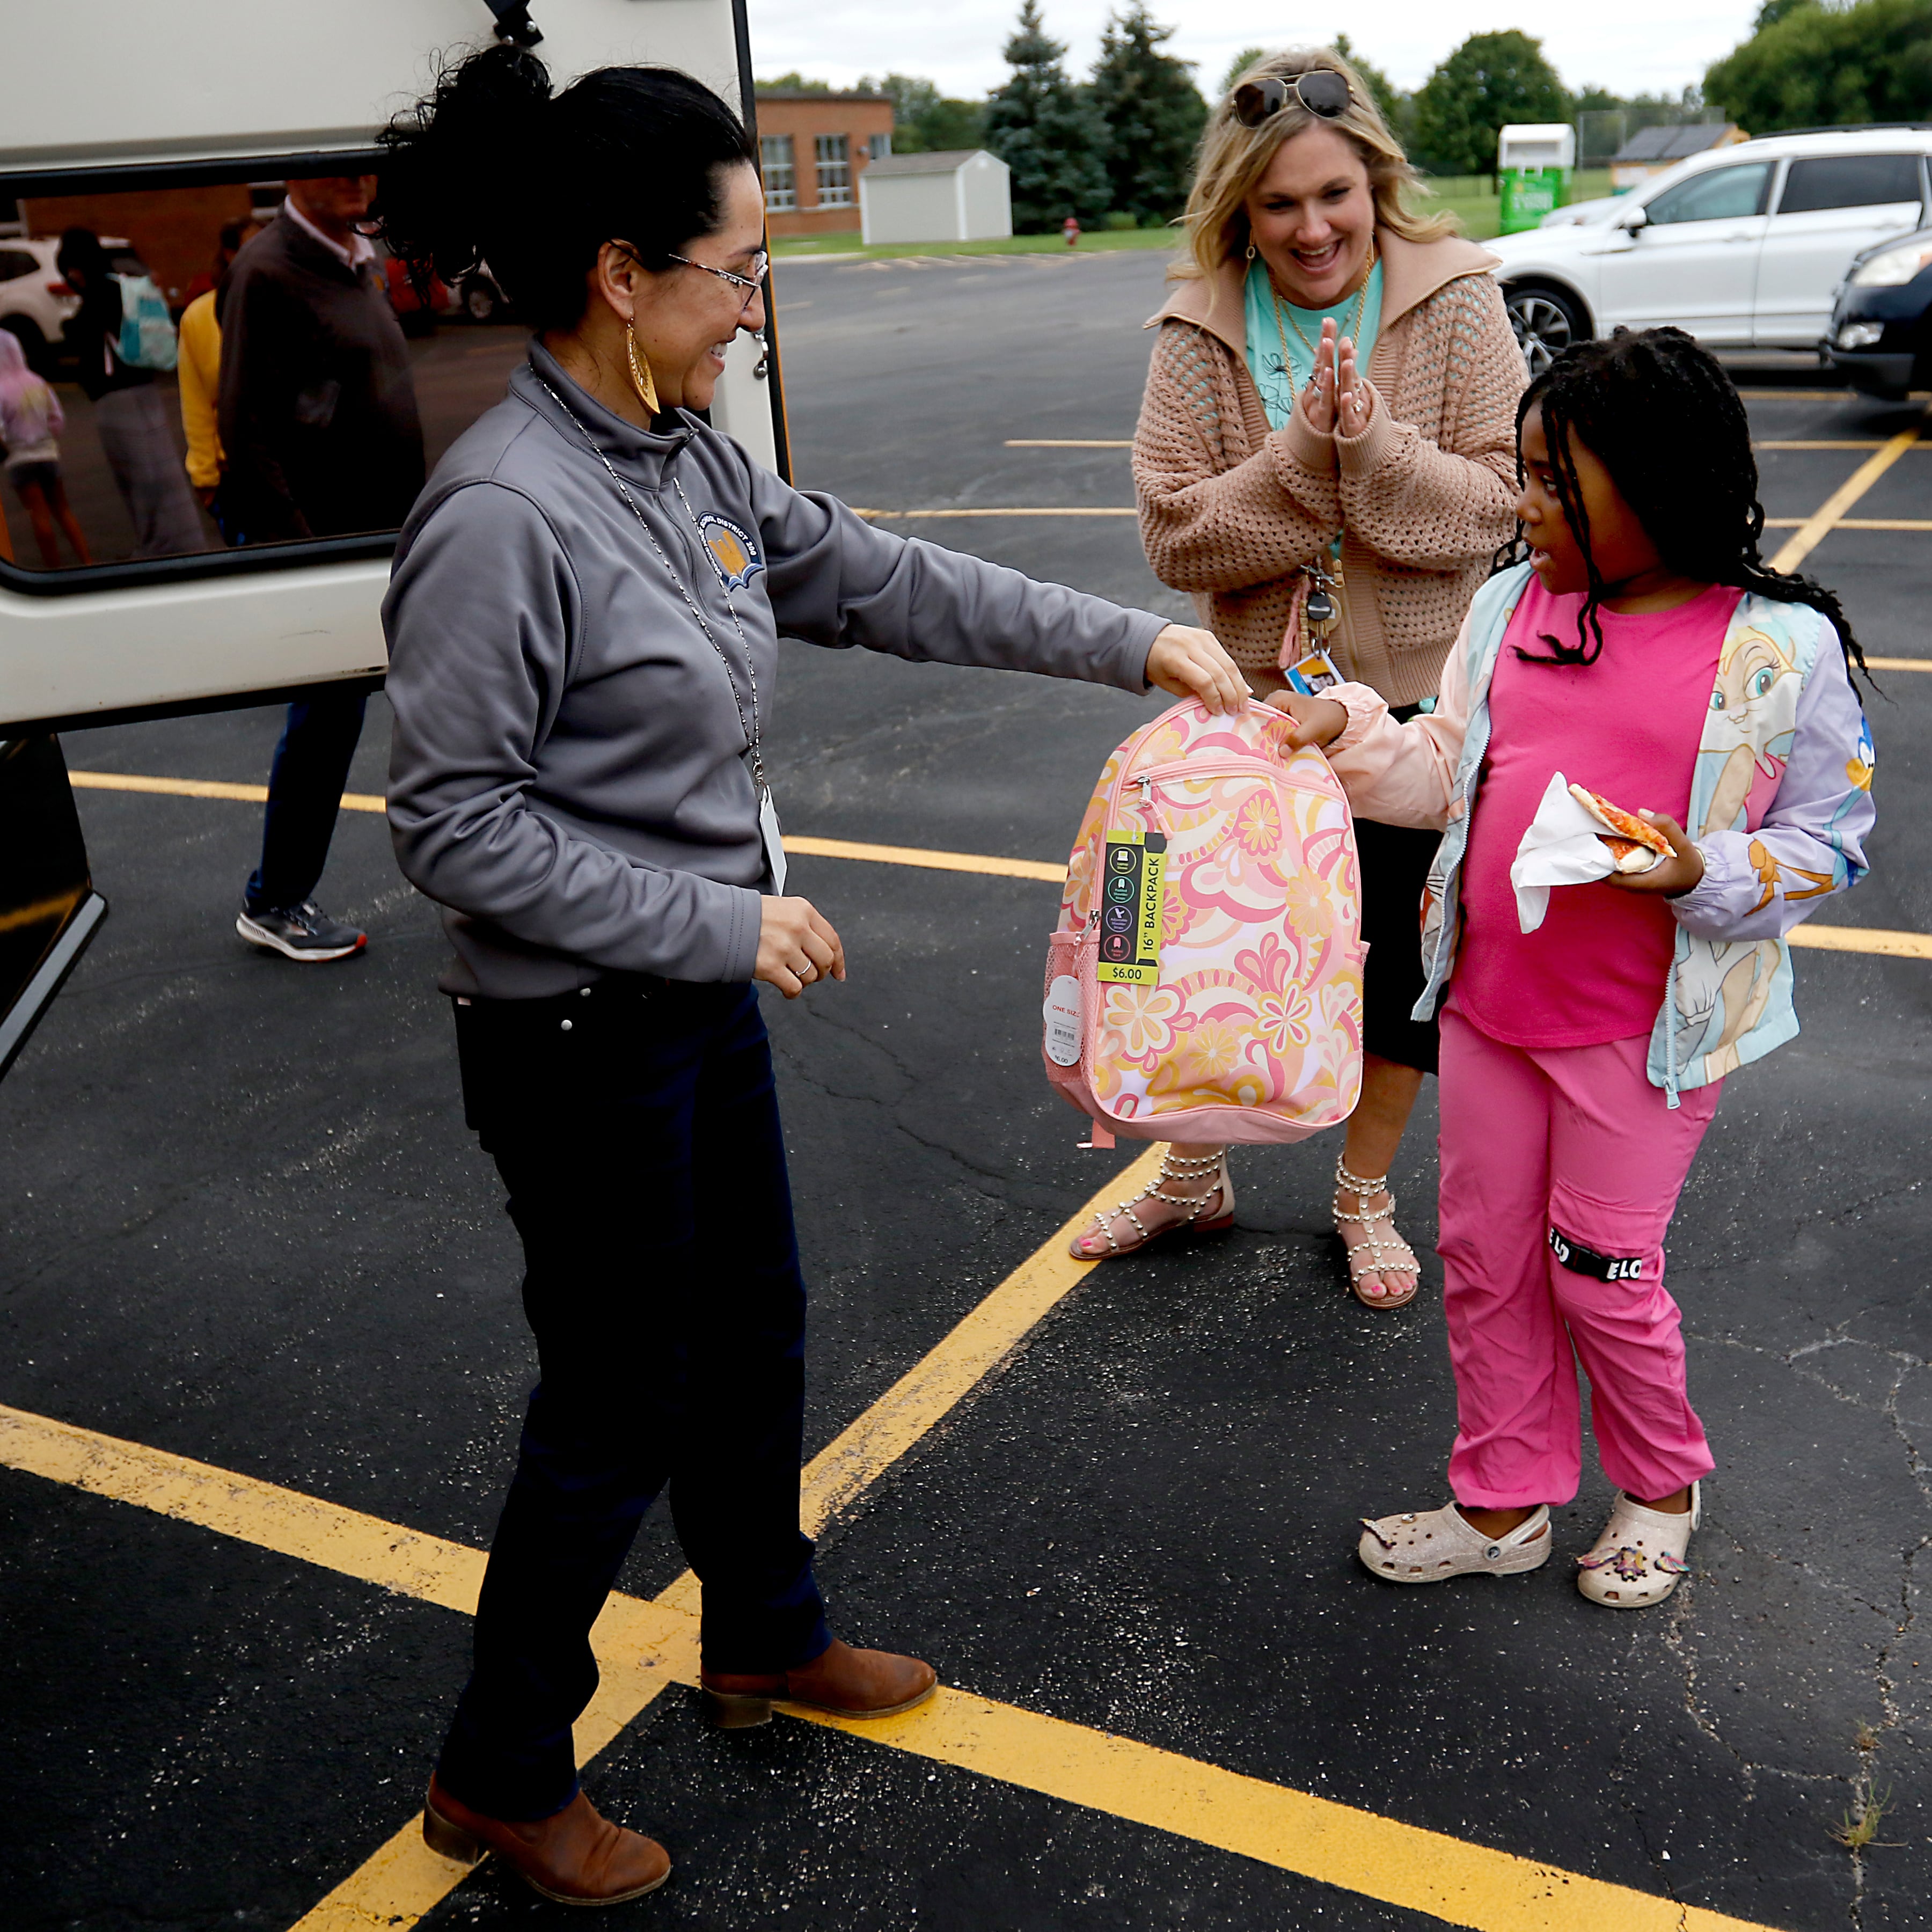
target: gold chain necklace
1355 332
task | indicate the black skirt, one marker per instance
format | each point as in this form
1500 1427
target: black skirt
1395 868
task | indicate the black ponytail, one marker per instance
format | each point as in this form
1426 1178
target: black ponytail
493 168
1664 419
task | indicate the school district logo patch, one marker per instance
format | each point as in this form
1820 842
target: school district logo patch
734 555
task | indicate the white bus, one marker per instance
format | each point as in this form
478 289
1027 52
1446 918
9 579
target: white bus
163 131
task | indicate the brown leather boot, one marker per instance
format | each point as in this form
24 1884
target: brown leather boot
577 1857
848 1683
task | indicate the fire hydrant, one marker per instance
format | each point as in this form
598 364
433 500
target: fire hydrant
1070 228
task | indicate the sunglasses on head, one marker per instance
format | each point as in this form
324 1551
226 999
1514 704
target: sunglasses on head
1321 91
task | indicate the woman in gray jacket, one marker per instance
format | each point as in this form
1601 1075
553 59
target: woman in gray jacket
583 631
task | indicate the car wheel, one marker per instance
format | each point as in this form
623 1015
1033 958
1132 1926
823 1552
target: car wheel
1547 321
480 300
33 343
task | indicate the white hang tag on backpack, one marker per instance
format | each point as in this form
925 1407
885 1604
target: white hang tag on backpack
1062 1013
774 841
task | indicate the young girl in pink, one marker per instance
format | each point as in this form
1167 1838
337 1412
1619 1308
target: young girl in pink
1645 653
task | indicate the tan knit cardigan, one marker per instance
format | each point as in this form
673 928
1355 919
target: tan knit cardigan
1423 497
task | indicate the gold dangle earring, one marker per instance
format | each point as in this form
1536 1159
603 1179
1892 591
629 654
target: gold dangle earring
640 370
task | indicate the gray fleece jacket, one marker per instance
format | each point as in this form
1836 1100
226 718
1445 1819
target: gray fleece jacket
569 776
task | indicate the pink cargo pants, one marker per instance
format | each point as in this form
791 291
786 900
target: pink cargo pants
1576 1139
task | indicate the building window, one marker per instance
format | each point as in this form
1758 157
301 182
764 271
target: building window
834 153
774 158
877 147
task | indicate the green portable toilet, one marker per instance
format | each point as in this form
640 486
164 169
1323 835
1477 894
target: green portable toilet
1535 160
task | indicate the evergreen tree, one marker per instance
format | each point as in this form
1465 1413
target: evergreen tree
1153 114
1819 67
1490 81
1039 125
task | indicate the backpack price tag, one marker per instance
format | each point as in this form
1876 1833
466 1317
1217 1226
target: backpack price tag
1133 891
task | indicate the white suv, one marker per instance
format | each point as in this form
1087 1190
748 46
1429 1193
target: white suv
35 302
1744 247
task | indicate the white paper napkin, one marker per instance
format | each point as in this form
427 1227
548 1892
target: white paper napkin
1562 847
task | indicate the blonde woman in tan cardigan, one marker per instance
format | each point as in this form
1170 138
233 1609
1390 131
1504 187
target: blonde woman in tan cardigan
1330 412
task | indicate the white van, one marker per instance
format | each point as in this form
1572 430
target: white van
177 122
1743 247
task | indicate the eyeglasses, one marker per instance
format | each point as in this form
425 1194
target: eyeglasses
751 283
1321 91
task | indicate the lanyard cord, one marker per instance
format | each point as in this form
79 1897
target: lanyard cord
753 729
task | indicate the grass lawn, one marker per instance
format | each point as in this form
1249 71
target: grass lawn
1468 197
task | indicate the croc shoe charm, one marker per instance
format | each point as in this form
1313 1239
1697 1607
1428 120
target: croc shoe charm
1640 1555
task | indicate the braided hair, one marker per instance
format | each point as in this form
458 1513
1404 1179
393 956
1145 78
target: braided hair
1664 419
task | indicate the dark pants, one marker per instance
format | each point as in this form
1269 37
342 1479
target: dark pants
637 1129
1395 861
305 784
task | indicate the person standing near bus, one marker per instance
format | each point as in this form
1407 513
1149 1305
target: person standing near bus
1326 454
130 419
583 629
320 437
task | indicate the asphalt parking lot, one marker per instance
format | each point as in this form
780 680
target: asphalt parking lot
241 1223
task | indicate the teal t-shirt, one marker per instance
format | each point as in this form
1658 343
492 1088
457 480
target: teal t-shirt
1281 381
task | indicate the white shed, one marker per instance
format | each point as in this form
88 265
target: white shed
962 194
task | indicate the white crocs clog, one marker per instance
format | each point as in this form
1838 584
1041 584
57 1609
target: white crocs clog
1420 1548
1640 1557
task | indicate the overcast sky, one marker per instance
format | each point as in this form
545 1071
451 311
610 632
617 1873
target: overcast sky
1633 46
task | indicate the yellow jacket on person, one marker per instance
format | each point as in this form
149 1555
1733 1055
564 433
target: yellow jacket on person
199 374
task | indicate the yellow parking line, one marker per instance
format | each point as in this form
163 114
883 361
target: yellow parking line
1815 528
915 855
1863 939
1067 442
1836 938
1853 523
1356 1851
1900 664
641 1647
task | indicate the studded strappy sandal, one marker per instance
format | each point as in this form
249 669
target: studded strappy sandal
1172 1168
1374 1255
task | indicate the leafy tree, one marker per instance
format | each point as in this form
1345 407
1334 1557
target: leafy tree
1820 67
1239 65
1042 128
1153 112
792 83
1773 11
1396 107
924 120
1489 81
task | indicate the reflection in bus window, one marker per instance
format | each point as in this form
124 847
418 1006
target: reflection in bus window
184 369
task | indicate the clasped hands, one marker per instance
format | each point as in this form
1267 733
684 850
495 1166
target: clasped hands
1339 397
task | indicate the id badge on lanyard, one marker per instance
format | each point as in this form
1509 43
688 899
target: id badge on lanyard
774 841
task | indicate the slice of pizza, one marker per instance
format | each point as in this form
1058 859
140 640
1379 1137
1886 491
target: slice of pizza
1635 844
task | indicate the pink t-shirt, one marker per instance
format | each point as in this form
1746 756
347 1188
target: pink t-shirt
1627 726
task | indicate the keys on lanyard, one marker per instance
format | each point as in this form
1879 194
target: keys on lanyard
1322 612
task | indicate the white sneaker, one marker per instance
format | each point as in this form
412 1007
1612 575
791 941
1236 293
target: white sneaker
1640 1557
1430 1548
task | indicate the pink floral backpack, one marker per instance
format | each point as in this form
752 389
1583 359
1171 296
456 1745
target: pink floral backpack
1205 980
